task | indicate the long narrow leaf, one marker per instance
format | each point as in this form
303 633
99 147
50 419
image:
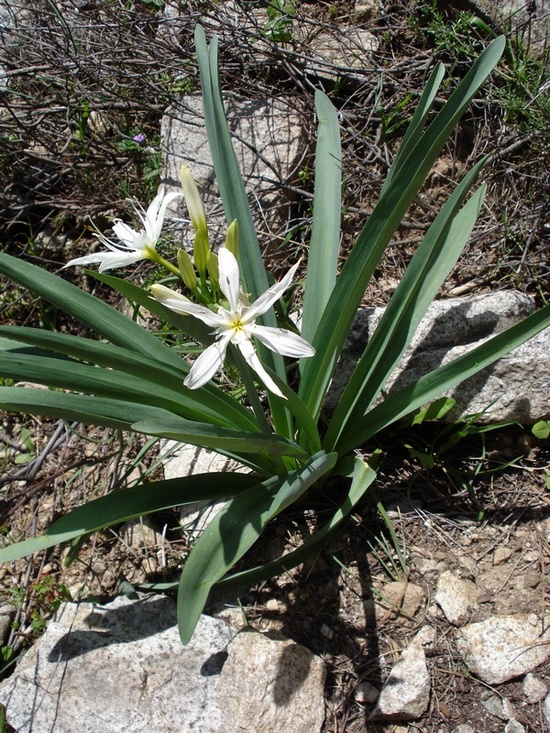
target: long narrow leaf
71 375
363 477
210 403
379 229
190 326
431 264
324 246
117 414
218 438
416 126
428 387
120 506
101 411
104 320
233 531
236 206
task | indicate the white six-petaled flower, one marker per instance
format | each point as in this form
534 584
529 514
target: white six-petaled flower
236 325
132 245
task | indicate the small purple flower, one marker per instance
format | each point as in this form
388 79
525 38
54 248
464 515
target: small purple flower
139 138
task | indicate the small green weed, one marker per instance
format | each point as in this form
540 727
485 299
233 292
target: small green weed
279 26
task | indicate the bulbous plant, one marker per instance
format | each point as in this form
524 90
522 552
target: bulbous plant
131 380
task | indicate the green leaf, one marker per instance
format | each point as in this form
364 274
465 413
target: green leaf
234 530
428 387
125 504
236 206
100 317
436 411
108 413
434 259
218 438
380 227
362 479
324 246
209 403
416 126
541 429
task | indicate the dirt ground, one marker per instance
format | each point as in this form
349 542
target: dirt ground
361 601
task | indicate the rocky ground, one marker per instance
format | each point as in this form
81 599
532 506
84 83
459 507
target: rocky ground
471 542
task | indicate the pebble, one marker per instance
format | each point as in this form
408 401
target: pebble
502 554
534 689
366 693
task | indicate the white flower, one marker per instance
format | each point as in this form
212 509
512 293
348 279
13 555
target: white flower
236 325
133 245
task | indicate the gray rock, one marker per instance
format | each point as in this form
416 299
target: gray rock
546 710
463 728
268 141
513 388
397 597
271 686
7 613
503 647
365 10
534 689
406 693
456 597
343 52
514 726
119 667
366 693
188 460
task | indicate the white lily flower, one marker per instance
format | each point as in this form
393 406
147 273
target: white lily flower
132 245
236 325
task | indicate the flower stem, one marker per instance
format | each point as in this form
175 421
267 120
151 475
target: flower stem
159 259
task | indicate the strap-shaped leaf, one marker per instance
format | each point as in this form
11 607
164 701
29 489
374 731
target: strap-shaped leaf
120 506
100 317
218 438
118 414
363 478
236 206
428 387
324 246
430 266
380 227
234 530
187 325
210 403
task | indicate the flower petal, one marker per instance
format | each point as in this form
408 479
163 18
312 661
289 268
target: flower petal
282 341
108 260
229 278
207 364
156 212
272 294
247 349
180 304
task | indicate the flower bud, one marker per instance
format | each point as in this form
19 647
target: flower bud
200 252
193 201
187 270
213 269
232 239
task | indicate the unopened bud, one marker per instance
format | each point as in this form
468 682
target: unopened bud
213 269
193 201
200 252
187 270
232 239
